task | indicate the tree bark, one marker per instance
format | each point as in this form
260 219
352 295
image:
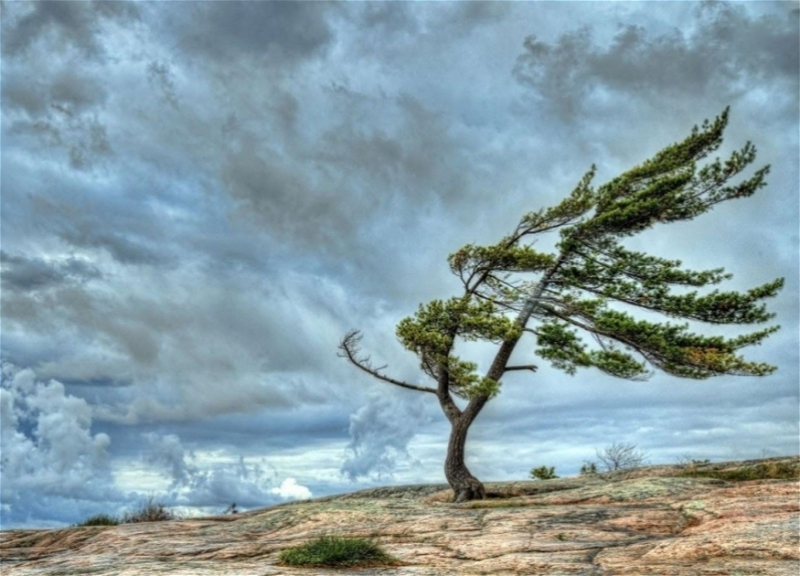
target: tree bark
465 486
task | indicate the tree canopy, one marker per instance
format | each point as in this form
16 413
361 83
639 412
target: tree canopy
579 302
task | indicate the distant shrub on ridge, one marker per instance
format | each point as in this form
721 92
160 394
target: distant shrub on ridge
149 511
99 520
544 473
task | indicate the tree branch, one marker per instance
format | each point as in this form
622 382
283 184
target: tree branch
496 302
648 356
350 350
531 367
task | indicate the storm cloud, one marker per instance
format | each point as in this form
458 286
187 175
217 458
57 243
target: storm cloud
199 199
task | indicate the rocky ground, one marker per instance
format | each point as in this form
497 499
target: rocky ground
654 521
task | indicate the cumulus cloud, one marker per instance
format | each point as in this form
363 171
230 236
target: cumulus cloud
49 452
380 433
291 490
214 480
167 453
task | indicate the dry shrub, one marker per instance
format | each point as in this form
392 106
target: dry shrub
150 511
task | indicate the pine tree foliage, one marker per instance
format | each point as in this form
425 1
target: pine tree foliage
591 285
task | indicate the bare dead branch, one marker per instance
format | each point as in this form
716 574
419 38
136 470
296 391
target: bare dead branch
350 350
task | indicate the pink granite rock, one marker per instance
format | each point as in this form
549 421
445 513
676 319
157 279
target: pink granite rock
650 522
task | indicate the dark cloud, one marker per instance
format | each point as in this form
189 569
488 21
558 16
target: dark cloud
469 19
281 429
353 178
479 12
59 112
69 24
160 75
386 18
67 91
87 218
26 274
81 140
266 344
271 33
76 92
124 248
726 52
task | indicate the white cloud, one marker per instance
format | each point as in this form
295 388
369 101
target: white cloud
206 480
291 490
47 435
48 449
380 433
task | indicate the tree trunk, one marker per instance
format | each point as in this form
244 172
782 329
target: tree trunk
465 486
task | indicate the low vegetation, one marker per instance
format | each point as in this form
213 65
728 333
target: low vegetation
99 520
335 551
760 471
617 456
150 511
544 473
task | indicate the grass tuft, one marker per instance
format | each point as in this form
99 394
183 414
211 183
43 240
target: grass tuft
337 551
99 520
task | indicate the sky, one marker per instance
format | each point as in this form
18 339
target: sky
200 199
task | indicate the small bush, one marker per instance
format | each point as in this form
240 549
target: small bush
99 520
337 551
150 511
621 457
588 469
544 473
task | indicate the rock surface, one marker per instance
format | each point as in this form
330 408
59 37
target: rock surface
649 522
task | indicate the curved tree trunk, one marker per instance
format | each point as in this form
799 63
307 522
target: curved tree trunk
465 486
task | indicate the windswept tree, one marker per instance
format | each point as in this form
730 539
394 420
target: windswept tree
579 302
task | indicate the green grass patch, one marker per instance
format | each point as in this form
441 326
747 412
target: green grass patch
99 520
337 551
762 471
